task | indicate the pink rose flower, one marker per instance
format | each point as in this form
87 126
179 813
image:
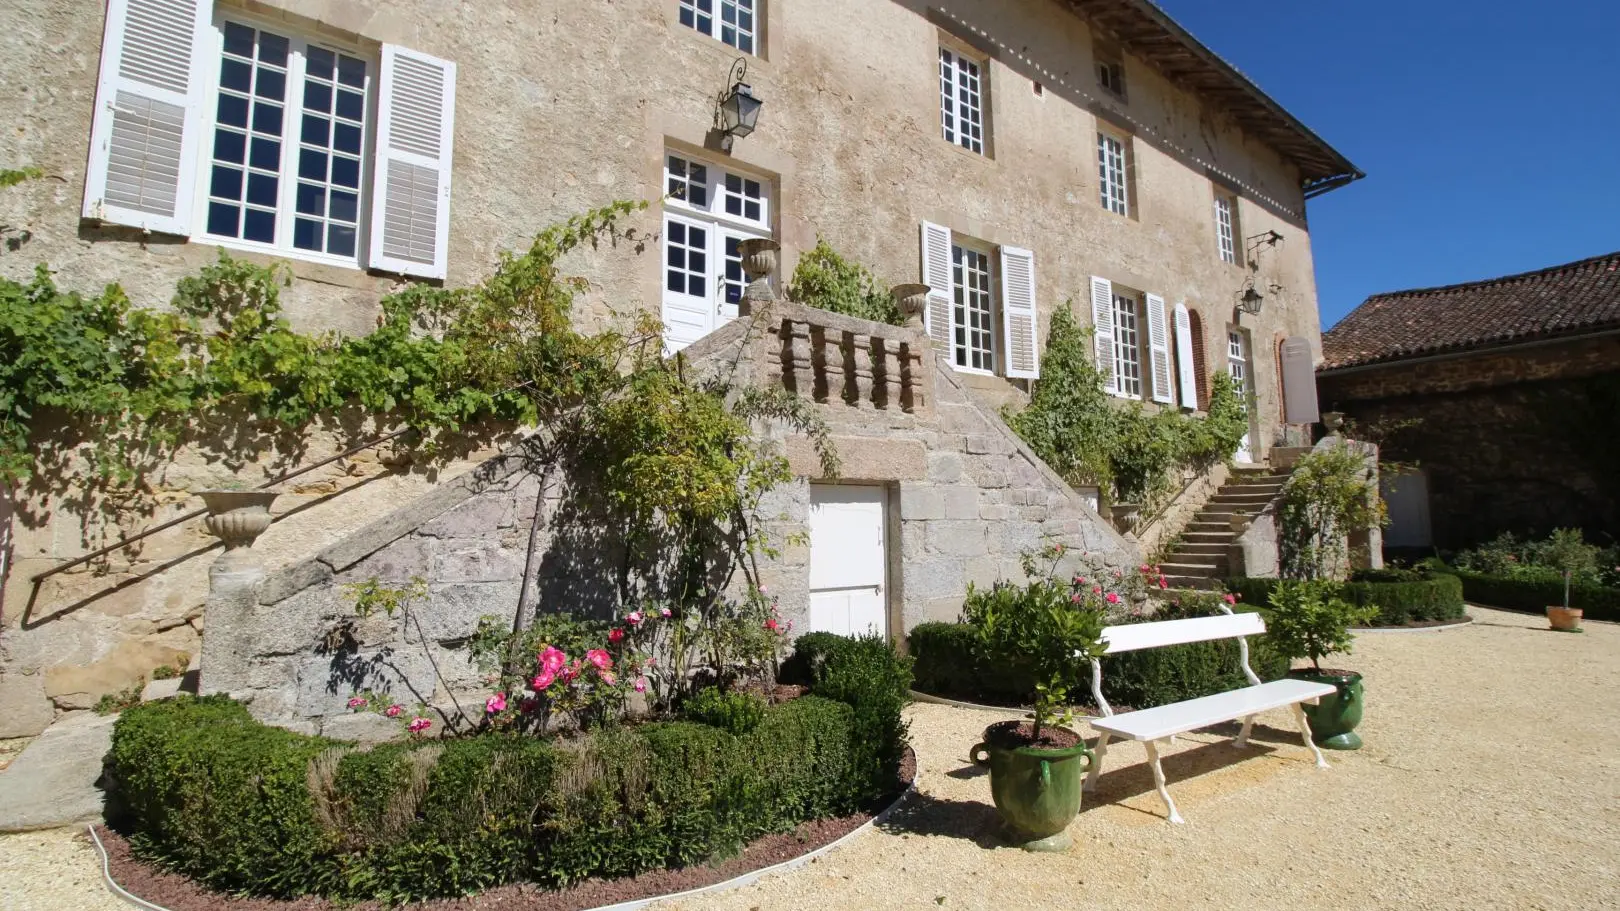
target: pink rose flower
607 677
1059 548
357 701
393 710
418 725
495 703
652 662
616 636
641 684
771 624
553 659
634 617
1079 580
1231 599
1096 589
665 612
1163 582
1112 598
599 659
544 679
1145 569
1075 598
570 672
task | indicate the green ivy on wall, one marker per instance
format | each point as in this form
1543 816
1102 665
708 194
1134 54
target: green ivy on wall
828 281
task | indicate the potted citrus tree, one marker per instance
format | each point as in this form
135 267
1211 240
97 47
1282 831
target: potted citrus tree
1047 629
1310 620
1570 554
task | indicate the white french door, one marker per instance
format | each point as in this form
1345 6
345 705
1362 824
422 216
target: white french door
1237 364
708 211
848 562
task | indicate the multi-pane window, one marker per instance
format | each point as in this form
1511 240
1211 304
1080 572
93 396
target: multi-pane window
961 100
1127 346
1111 174
708 213
288 140
733 22
1226 227
1111 76
972 310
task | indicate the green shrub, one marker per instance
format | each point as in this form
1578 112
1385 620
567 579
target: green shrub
1435 597
1308 619
737 713
203 789
1535 596
828 281
946 665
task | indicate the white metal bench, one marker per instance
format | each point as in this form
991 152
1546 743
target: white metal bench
1151 726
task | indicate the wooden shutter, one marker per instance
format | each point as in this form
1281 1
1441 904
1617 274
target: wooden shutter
147 124
1018 312
1186 372
410 195
936 274
1102 321
1299 382
1159 350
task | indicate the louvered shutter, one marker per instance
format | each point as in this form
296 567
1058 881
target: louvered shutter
1299 382
410 196
147 124
1102 321
936 274
1159 350
1185 370
1018 312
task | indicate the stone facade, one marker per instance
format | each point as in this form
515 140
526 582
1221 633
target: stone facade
562 109
1507 440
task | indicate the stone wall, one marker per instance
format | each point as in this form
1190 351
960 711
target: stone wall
967 499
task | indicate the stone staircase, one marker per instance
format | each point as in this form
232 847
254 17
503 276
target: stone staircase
1200 559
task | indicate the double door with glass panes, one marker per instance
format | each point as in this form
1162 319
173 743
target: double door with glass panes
1237 365
708 213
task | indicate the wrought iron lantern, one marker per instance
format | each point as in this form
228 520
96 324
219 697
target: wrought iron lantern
737 110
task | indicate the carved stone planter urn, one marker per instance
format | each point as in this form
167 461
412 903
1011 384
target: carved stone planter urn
237 517
911 298
759 258
1126 515
1333 421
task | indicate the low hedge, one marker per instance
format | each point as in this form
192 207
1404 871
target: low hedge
1596 601
201 788
946 666
1439 597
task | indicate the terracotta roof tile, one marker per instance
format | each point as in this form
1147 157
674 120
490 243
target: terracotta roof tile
1570 299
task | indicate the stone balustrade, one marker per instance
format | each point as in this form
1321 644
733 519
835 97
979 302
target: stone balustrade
832 358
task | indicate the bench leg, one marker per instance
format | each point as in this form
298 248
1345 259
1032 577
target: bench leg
1090 784
1158 779
1243 735
1305 731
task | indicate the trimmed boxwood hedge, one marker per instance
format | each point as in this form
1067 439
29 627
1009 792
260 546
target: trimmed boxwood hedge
200 787
1439 597
1596 601
946 666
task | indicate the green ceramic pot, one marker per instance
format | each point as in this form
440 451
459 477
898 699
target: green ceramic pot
1334 718
1036 790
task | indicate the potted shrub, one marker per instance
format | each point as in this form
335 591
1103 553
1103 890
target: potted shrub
1569 553
1048 630
1310 620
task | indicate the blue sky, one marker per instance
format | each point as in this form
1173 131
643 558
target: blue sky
1489 130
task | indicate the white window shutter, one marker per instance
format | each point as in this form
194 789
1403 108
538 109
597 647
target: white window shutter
1159 350
1102 321
1185 370
936 274
147 124
1018 312
410 194
1299 382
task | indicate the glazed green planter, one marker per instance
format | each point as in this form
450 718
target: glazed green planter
1036 790
1334 718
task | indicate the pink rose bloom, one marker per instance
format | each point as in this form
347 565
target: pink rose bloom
1144 568
495 703
357 701
641 684
1075 598
771 624
651 662
634 617
607 677
599 659
570 672
1231 599
1058 548
553 659
665 612
1163 582
1079 580
1096 589
790 626
1112 598
393 710
616 636
418 725
544 679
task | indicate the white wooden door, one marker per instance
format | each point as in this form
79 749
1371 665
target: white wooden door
1406 493
847 561
1237 364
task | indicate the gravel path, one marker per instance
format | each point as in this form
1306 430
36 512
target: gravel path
1490 779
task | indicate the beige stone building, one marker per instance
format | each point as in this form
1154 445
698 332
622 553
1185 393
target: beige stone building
1016 157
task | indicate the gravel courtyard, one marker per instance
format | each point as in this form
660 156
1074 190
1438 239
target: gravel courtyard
1490 779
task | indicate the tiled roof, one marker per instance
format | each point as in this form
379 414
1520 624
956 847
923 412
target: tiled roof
1571 299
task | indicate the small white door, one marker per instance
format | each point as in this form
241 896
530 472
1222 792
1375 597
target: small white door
847 560
1237 364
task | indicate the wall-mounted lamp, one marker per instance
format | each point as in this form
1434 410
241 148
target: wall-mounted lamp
737 109
1251 301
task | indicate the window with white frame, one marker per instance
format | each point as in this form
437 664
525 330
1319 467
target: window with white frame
1226 231
733 22
1111 77
961 99
1111 174
286 164
973 310
708 212
1127 345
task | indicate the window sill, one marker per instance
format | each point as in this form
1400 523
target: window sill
974 371
304 256
984 156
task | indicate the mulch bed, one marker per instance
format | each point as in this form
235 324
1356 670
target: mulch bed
177 893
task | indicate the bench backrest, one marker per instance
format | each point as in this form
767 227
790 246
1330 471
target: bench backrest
1132 636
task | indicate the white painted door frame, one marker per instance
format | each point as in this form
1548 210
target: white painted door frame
849 535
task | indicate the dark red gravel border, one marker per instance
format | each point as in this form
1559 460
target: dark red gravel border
178 893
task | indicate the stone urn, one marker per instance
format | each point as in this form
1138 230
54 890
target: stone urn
237 517
912 299
1333 421
1126 515
759 256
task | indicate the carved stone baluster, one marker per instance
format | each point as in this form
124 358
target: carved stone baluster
804 372
883 390
826 386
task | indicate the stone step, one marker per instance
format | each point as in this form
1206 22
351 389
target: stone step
1196 526
1242 497
1215 549
1192 570
1193 583
1223 537
1223 512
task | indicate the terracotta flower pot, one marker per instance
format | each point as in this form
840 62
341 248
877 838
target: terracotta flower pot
1564 619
